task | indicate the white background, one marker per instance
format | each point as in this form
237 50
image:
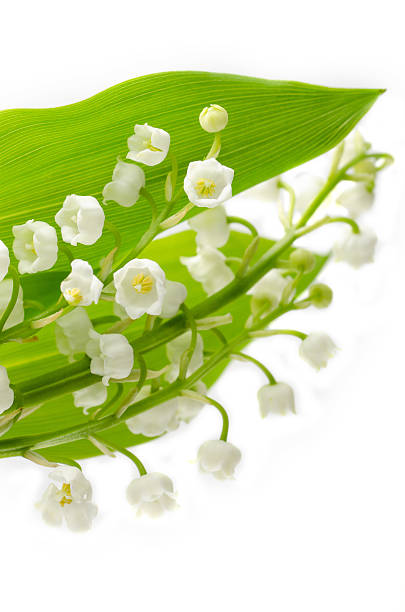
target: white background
315 519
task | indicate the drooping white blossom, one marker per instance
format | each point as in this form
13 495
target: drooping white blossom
148 145
68 497
270 288
156 421
357 199
208 183
317 349
4 260
218 458
6 392
81 287
35 246
306 186
72 332
209 268
127 181
175 295
81 220
152 494
213 118
175 349
111 355
90 397
187 407
141 287
212 227
17 314
356 249
276 399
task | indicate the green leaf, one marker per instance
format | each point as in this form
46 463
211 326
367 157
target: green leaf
42 355
46 154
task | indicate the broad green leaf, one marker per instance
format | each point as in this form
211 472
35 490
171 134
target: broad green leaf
46 154
42 355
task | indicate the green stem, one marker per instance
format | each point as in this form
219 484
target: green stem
140 466
14 296
245 223
148 196
325 221
188 354
277 332
257 363
217 405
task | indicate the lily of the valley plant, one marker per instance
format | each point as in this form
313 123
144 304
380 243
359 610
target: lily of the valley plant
107 375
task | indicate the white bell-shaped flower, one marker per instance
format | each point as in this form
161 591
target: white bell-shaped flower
209 268
175 349
68 497
219 458
175 295
35 246
111 356
213 118
141 287
155 421
127 181
306 188
356 249
212 227
90 397
6 392
17 314
148 145
81 220
187 407
270 288
357 199
276 399
4 260
317 349
81 287
72 332
208 183
152 494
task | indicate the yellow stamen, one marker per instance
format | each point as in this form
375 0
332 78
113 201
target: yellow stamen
205 188
73 295
142 284
148 145
67 494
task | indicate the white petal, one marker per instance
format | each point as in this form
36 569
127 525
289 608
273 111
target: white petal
6 393
212 227
276 399
175 295
4 260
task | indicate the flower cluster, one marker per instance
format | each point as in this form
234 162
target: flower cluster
111 316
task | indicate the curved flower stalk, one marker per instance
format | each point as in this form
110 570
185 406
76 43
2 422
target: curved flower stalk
125 326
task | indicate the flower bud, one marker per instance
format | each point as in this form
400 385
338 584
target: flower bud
213 118
320 295
302 259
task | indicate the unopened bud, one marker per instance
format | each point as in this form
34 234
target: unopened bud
320 295
302 259
213 118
